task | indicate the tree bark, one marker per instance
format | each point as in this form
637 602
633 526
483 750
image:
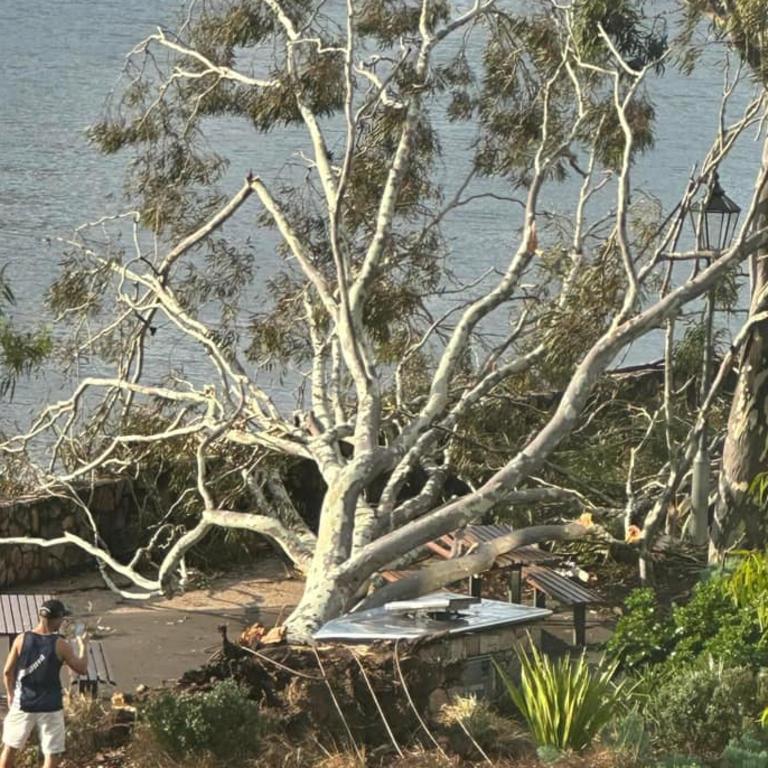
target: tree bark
479 560
745 453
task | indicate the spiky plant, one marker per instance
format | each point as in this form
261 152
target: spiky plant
565 703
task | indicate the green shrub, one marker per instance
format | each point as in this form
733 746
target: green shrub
678 761
745 752
748 585
699 710
549 755
222 721
564 702
711 624
629 736
642 634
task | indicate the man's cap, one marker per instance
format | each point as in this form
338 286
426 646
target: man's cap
54 609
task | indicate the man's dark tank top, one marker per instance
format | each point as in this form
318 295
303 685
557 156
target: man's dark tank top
38 685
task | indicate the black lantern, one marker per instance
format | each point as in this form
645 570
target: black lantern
714 220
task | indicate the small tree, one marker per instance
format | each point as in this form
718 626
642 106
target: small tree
393 372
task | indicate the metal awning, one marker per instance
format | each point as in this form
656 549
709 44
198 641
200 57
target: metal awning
382 624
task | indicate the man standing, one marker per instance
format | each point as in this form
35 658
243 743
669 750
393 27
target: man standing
33 685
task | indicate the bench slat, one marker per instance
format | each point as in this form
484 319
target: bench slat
98 667
19 613
561 589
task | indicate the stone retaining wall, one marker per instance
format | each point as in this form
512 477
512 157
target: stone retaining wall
113 509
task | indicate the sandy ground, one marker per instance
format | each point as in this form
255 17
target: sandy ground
152 643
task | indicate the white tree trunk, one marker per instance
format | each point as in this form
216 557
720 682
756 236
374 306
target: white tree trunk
745 453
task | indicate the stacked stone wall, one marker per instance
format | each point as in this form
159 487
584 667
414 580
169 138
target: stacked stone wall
112 505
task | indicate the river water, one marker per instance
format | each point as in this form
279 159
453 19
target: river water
60 60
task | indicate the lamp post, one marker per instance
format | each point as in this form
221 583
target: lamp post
714 222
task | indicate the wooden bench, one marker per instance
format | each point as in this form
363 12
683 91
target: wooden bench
546 582
99 670
19 613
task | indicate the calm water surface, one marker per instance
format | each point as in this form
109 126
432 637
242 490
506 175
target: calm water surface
59 61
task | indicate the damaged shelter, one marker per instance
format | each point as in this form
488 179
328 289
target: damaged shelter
543 573
471 630
447 628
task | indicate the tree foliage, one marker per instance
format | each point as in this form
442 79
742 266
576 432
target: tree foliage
409 376
21 352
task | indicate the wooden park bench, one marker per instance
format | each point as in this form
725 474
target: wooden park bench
99 670
549 583
19 613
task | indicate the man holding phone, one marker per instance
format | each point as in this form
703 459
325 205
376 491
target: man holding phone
33 685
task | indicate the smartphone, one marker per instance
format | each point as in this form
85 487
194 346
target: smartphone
79 629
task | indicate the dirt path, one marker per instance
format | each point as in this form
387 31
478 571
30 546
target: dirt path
154 642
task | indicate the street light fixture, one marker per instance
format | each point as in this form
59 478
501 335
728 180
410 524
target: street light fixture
714 219
714 222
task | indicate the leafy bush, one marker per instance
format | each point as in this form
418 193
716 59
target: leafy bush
564 702
712 624
222 721
642 634
748 585
549 755
745 752
629 736
699 710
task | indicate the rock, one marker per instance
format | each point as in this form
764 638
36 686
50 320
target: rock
437 699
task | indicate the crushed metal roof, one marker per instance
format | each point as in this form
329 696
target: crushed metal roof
384 624
479 534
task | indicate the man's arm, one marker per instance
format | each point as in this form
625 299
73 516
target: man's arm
9 671
77 662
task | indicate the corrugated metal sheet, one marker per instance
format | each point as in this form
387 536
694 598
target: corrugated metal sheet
391 576
19 613
561 589
381 624
520 556
435 546
478 534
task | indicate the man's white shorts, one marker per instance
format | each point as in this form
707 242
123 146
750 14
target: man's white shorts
19 725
